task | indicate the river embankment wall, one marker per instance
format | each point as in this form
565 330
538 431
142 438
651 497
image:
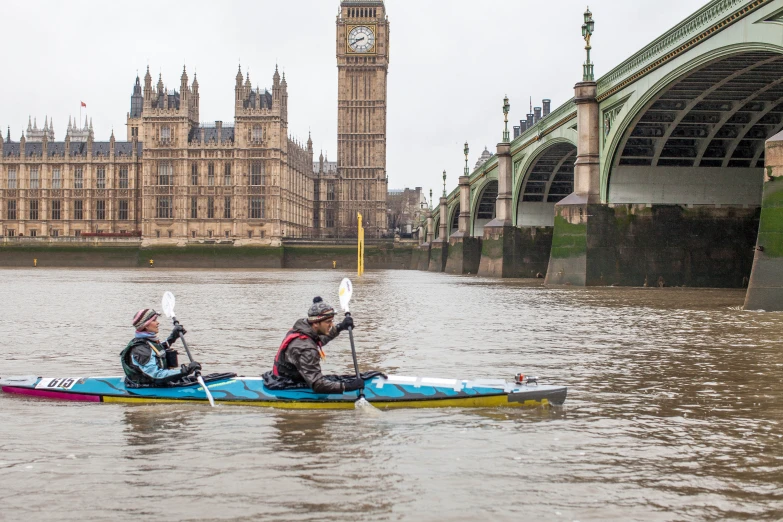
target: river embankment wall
111 255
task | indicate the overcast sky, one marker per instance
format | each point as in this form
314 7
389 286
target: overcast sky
452 61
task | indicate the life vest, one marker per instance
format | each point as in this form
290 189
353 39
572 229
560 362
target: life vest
281 364
132 371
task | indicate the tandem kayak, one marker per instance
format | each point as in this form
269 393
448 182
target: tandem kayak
392 391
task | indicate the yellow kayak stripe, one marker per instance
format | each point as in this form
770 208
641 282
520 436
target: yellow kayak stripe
493 401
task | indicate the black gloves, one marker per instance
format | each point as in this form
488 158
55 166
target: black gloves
189 368
347 323
176 333
354 384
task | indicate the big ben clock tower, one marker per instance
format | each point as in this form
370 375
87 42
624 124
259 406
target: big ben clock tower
363 65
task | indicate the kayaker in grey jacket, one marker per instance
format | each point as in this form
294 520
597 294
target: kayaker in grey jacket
299 356
148 361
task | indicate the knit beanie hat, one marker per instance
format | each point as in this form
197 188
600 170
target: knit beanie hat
143 318
319 311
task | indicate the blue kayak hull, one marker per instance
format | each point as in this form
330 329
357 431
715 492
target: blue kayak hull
389 392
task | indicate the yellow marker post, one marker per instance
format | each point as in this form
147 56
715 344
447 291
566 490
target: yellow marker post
360 260
35 262
334 264
152 263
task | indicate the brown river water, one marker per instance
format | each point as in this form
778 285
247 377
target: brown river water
674 409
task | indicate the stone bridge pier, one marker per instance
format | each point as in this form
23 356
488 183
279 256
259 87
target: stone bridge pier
464 250
765 291
439 249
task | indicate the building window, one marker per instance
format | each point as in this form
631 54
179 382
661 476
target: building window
100 209
123 177
165 208
11 178
250 234
165 134
11 232
330 191
329 218
33 233
193 207
55 233
157 233
57 181
171 233
211 174
209 233
194 174
227 174
34 179
134 132
165 174
101 178
57 206
256 134
77 233
256 173
33 213
256 208
227 207
78 209
122 215
210 207
193 234
10 210
227 233
78 178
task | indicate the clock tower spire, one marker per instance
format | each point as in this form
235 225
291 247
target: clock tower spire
363 65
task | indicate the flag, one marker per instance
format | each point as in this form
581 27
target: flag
84 104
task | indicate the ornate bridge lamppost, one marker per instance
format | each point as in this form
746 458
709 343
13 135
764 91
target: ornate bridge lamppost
587 32
444 183
431 206
467 150
506 109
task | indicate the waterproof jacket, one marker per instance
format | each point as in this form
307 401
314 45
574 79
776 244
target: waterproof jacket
300 360
145 364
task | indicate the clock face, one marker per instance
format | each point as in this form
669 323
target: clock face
361 39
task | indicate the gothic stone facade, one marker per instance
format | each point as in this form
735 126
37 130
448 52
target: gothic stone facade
175 180
363 64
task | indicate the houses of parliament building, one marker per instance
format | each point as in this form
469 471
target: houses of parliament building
176 180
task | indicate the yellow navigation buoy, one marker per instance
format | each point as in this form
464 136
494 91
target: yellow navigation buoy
152 263
35 262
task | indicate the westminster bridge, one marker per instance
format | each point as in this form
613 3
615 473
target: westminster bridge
665 171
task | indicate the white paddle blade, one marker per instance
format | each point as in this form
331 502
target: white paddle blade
346 290
167 303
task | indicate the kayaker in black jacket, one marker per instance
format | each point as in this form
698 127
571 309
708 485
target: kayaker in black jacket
299 356
148 361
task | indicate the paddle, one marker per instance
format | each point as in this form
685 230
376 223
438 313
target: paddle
168 308
345 292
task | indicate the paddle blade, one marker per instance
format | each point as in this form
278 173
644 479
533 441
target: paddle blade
346 290
167 303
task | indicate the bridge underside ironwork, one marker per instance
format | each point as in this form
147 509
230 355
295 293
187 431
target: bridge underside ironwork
701 141
550 179
485 209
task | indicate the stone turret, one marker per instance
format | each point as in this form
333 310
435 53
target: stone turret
147 87
183 84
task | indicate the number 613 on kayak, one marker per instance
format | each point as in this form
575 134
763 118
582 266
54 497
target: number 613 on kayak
60 383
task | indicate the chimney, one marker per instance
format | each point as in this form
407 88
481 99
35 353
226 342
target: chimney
547 107
530 121
516 132
537 114
219 127
522 126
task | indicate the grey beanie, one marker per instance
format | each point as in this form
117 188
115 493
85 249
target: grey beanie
319 311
